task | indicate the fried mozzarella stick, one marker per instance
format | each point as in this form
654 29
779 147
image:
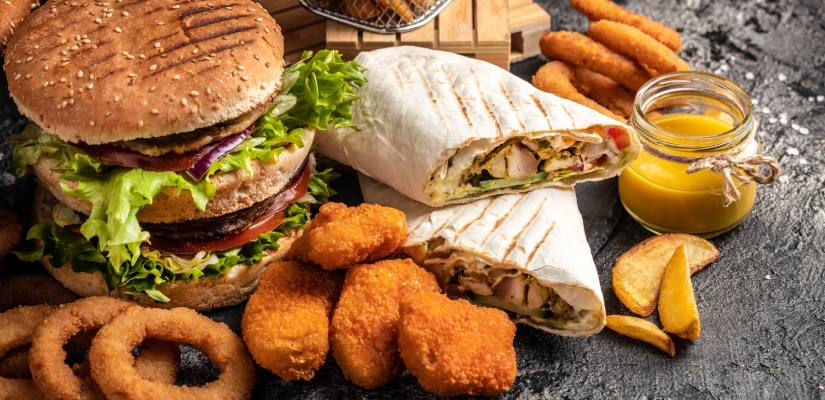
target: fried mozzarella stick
340 236
286 321
364 332
582 51
604 90
633 43
556 77
596 10
454 347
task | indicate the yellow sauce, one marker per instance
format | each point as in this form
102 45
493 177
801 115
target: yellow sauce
664 198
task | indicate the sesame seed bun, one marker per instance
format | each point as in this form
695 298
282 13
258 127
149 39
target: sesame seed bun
202 295
234 190
12 13
100 72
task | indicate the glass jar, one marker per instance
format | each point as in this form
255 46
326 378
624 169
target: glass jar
683 117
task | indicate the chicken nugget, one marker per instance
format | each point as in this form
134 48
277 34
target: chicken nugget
454 347
582 51
286 321
364 330
596 10
340 236
633 43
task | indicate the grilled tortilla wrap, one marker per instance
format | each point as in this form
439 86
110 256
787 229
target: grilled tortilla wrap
525 253
465 129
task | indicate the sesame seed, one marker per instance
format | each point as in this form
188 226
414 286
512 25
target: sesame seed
208 91
92 123
152 89
64 104
125 14
71 102
140 123
183 102
132 75
176 6
98 20
87 41
157 44
259 19
245 78
29 76
176 77
193 110
155 111
118 30
91 85
117 98
63 41
79 74
194 93
63 80
92 77
195 51
240 67
142 56
153 67
73 48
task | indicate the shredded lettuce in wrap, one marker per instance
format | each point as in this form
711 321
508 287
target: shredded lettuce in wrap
316 93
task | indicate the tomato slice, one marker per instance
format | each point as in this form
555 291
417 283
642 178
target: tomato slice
619 137
265 223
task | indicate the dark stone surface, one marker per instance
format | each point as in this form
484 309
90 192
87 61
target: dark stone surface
762 303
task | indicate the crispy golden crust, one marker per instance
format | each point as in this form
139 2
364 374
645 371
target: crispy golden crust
633 43
18 327
596 10
556 77
582 51
454 347
364 333
286 321
604 91
340 236
138 69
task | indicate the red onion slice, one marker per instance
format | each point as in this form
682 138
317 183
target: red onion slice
216 151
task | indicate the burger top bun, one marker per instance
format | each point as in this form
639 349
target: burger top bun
100 72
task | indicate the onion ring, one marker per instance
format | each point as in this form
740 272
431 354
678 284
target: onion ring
596 10
633 43
18 327
30 290
582 51
15 364
46 360
111 355
604 91
555 77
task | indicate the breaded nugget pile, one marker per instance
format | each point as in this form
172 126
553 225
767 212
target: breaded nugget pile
286 324
604 69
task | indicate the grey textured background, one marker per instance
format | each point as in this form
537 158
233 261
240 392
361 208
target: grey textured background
762 303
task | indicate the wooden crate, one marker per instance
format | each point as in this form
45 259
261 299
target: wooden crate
477 29
528 23
302 29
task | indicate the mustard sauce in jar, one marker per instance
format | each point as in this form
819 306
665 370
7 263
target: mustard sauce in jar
688 116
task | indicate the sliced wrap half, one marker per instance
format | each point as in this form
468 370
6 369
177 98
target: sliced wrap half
525 253
443 128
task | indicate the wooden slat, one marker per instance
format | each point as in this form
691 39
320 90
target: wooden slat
274 6
492 23
424 36
530 17
455 26
372 41
296 17
342 37
304 38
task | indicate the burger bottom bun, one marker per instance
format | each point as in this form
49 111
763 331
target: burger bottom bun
234 190
202 295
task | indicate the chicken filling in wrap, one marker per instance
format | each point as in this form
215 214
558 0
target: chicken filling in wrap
520 294
521 161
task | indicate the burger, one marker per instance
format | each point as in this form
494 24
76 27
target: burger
171 142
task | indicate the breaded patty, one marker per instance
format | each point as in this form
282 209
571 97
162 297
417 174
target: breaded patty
454 347
364 334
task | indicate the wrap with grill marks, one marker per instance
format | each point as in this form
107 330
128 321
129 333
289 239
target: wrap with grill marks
443 128
525 253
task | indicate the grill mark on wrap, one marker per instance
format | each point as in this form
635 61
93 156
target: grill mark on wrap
487 106
398 78
538 244
516 238
458 98
512 105
540 106
480 215
432 95
501 220
447 221
568 114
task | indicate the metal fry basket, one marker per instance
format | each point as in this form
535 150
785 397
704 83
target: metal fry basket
378 16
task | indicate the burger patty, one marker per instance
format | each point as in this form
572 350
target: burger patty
194 140
210 228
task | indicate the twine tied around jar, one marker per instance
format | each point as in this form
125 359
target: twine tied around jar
732 165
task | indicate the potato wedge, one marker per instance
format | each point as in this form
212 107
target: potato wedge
643 330
677 306
638 272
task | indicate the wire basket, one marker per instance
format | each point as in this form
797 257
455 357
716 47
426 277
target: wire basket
379 16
